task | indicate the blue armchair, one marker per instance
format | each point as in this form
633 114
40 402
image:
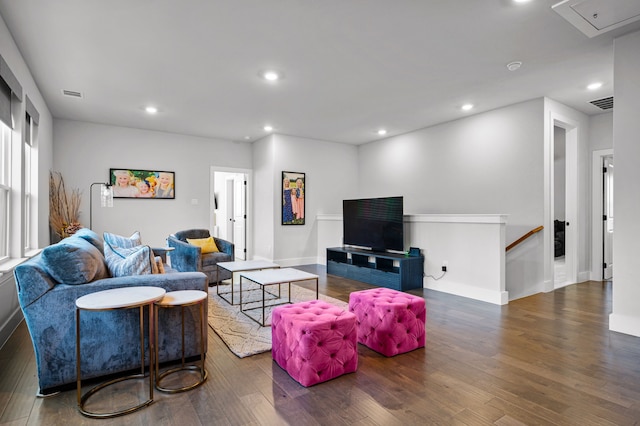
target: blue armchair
189 258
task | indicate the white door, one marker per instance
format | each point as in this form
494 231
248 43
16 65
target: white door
239 215
229 208
607 218
231 203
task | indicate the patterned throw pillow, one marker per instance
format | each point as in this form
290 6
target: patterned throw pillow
116 240
208 245
122 262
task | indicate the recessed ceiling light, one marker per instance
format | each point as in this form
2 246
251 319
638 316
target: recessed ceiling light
151 110
466 107
515 65
594 86
382 132
521 1
272 75
268 128
247 137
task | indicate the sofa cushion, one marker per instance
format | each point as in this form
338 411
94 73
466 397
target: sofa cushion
116 240
212 259
138 260
206 244
74 261
90 236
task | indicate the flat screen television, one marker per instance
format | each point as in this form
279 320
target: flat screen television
374 223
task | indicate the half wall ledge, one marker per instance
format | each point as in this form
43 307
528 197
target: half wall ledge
472 246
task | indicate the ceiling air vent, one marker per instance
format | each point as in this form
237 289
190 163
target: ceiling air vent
72 93
604 103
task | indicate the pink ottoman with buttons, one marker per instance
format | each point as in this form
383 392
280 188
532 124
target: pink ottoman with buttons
389 321
314 341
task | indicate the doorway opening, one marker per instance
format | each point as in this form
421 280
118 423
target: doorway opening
563 129
559 206
600 226
607 218
229 208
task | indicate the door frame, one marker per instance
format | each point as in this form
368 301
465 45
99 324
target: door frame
248 207
596 212
572 129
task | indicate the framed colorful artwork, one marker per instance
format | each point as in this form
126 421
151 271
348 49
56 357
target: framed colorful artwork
131 183
294 193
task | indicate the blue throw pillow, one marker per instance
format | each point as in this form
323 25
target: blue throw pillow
90 236
116 240
74 261
123 262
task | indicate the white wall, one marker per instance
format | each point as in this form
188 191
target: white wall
472 245
10 314
489 163
330 177
601 131
484 164
264 218
626 130
84 152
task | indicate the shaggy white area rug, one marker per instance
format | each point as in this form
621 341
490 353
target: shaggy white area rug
241 334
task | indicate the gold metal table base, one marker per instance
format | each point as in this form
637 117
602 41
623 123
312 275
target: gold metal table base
92 302
172 300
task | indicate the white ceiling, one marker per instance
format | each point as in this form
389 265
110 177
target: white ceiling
351 66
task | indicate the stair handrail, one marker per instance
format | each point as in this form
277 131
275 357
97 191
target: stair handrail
524 237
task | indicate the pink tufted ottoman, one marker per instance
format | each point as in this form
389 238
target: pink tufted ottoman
314 341
389 321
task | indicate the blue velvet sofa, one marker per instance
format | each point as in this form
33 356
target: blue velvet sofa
110 341
187 257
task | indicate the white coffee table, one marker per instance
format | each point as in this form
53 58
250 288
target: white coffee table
239 266
114 299
270 277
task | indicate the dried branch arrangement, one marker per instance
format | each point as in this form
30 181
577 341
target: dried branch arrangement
64 206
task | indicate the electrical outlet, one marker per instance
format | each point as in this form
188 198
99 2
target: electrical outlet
444 268
444 265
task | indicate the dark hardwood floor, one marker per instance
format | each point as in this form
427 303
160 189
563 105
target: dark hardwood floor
544 359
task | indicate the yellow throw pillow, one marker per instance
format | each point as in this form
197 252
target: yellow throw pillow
207 244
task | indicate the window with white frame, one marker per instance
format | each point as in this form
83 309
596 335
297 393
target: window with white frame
10 164
5 188
26 175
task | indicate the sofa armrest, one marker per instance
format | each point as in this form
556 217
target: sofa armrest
32 282
225 246
185 257
170 281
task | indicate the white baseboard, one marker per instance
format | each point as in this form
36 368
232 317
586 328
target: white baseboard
625 324
584 276
286 263
10 326
464 290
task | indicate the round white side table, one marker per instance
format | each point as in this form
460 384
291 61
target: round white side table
182 299
114 299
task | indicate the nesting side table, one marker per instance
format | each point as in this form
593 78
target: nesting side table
182 299
107 300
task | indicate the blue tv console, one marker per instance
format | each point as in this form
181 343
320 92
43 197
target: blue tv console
396 271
